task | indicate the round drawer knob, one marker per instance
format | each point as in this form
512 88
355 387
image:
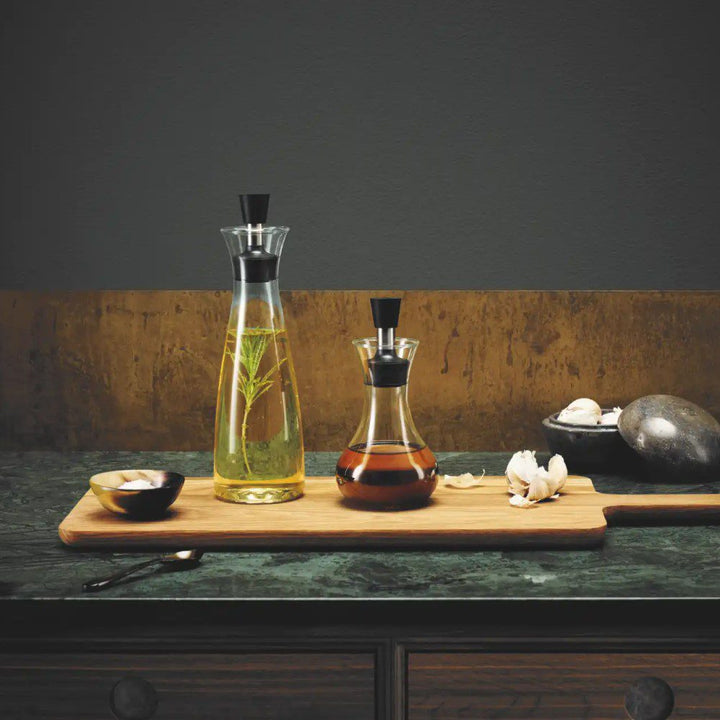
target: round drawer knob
133 698
649 698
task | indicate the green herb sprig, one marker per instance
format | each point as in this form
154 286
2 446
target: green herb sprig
253 345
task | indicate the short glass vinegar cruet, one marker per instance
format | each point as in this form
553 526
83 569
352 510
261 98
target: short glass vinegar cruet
386 464
258 454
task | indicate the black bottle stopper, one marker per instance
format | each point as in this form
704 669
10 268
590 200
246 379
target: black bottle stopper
386 313
254 208
387 369
254 264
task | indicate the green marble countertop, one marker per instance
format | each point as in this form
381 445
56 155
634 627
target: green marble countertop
39 488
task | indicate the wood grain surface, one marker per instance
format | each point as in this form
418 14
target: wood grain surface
138 370
263 686
480 516
567 686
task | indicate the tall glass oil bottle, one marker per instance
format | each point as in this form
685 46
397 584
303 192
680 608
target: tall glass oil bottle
258 454
386 464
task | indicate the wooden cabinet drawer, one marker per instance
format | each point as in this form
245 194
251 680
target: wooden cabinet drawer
445 686
251 686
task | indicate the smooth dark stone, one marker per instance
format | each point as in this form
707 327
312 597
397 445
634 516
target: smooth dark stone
677 440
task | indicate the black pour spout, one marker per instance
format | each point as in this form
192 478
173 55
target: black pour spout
255 264
387 369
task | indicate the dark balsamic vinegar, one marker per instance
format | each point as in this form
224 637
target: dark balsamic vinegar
386 464
387 474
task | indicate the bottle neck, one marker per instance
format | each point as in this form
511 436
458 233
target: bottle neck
387 400
257 304
255 251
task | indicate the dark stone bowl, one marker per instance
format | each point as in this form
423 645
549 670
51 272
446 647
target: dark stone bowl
588 448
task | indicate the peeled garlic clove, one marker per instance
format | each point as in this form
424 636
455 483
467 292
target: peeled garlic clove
582 411
611 418
462 482
557 473
586 404
521 470
577 418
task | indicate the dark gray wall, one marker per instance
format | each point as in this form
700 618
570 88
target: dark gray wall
532 144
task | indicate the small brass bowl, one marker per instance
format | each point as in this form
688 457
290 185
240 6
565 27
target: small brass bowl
145 503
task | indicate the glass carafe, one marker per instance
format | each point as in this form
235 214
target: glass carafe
258 454
386 464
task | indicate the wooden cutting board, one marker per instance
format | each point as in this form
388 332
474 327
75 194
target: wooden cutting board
479 516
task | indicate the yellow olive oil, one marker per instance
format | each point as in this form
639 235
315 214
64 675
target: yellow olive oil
258 434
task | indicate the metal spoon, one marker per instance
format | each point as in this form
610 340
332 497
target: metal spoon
183 557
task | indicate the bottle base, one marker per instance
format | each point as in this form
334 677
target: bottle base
398 497
258 494
356 503
387 475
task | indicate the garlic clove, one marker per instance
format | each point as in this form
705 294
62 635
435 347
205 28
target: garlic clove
582 411
539 487
579 417
520 470
612 417
516 486
557 472
586 404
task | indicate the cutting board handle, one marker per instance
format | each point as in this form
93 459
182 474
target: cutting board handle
685 507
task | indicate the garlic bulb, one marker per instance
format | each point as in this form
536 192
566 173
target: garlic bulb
462 482
528 483
582 411
611 418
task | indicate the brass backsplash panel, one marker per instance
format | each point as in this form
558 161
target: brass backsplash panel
138 370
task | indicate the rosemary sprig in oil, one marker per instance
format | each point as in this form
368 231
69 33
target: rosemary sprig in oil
251 385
